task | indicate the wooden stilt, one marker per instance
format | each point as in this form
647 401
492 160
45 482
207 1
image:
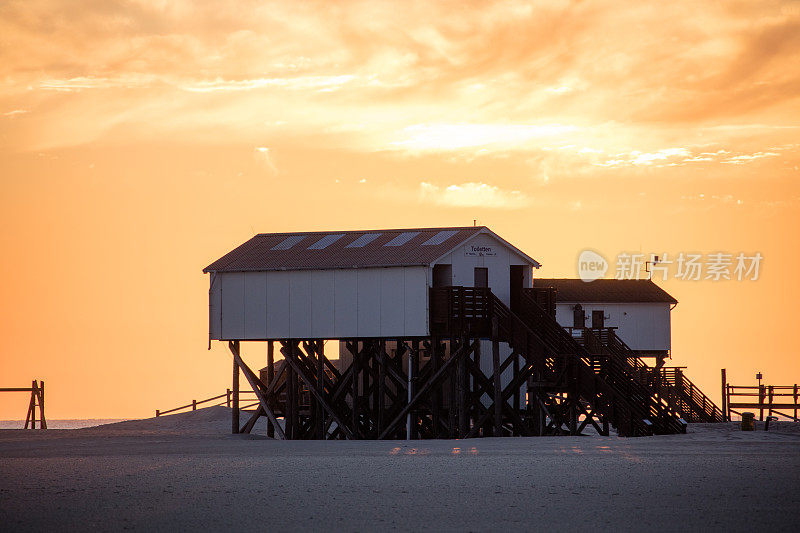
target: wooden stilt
413 368
320 414
461 394
356 364
498 390
270 379
235 398
381 386
724 397
436 360
258 387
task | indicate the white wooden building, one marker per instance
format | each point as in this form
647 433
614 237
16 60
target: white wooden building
353 284
638 309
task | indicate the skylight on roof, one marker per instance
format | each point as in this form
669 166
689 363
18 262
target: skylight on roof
364 240
440 237
288 242
403 238
326 241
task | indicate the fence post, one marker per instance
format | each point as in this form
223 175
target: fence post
771 390
724 397
194 405
227 397
42 421
158 413
761 394
34 395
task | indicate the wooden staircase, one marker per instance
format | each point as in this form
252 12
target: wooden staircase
687 398
621 378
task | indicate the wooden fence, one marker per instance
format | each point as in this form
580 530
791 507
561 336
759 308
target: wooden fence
775 399
227 395
37 400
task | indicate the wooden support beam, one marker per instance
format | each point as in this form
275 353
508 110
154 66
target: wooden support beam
430 384
498 408
256 385
461 393
381 392
247 428
413 372
235 399
320 414
356 366
436 352
298 371
42 421
270 380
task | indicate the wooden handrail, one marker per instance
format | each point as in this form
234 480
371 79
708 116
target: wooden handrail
195 403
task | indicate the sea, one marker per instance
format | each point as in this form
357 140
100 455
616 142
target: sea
71 423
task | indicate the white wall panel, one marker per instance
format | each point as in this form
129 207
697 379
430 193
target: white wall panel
392 301
278 304
232 320
643 326
346 303
369 316
369 302
255 305
416 301
215 309
322 304
300 304
497 261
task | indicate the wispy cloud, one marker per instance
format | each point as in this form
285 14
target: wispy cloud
746 158
302 82
443 137
80 83
15 113
472 194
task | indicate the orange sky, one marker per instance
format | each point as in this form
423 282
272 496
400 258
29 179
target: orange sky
141 140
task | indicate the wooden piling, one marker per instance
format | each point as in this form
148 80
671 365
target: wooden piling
270 377
235 395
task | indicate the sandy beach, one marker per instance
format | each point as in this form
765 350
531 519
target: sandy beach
184 472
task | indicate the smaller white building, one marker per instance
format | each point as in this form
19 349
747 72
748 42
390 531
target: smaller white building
639 310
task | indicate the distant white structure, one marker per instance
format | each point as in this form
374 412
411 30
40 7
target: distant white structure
353 284
639 310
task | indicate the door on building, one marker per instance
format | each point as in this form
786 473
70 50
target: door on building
598 319
578 319
481 277
516 280
442 275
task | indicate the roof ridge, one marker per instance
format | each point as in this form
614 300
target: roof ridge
444 228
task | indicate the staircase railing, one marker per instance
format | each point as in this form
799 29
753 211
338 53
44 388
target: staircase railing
697 407
609 384
670 385
616 371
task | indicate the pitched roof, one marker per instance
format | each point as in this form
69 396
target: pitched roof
606 290
348 249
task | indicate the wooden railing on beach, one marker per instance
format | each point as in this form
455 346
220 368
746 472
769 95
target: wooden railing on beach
773 398
37 400
227 395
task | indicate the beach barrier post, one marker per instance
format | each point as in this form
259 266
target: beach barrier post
725 413
235 406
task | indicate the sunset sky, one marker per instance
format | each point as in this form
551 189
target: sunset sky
142 140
